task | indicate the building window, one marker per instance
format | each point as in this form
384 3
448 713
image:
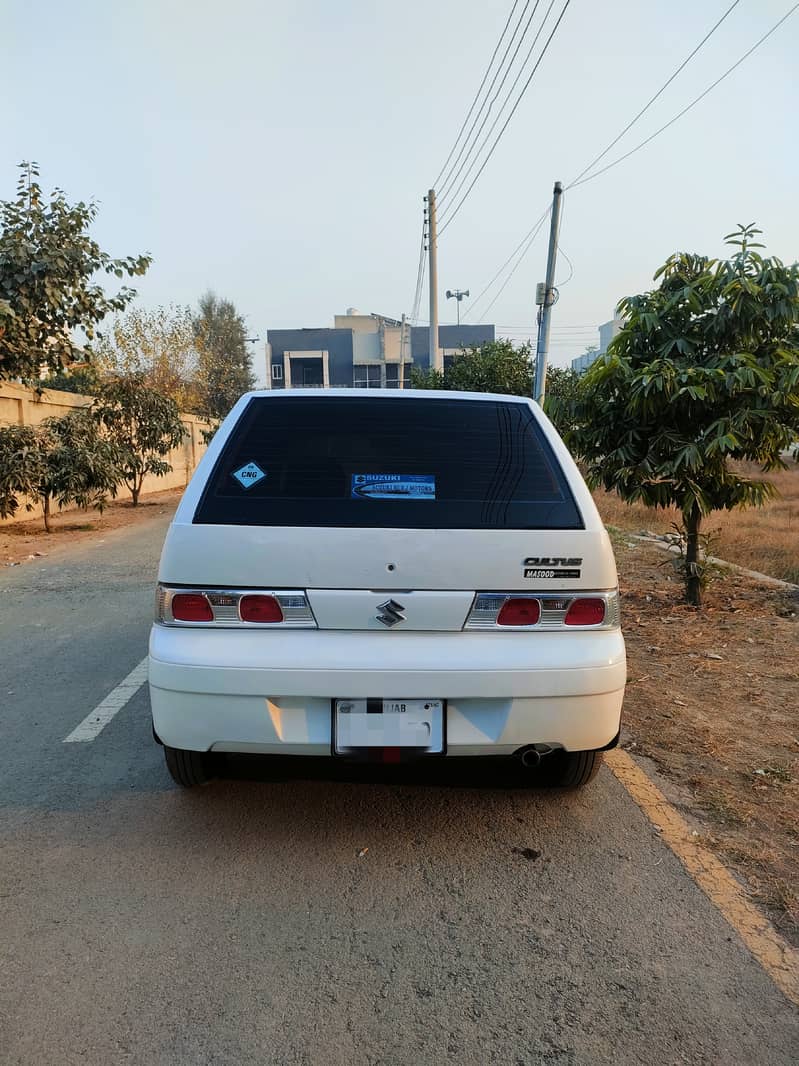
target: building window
392 375
366 375
277 372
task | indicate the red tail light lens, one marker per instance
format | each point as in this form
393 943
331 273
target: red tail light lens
260 609
585 612
520 611
191 607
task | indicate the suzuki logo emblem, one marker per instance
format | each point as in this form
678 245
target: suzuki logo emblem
390 613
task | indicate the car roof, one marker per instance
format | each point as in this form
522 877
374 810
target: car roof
385 394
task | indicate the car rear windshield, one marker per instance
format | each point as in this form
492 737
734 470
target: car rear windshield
405 463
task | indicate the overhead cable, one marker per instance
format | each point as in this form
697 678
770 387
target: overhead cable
687 108
505 125
659 93
479 91
455 170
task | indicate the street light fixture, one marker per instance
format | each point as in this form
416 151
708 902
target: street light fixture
457 294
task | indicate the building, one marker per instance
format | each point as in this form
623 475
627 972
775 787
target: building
607 331
360 351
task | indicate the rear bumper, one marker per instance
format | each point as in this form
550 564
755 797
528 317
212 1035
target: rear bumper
229 690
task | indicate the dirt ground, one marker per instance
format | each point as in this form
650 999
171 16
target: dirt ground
713 699
24 542
763 539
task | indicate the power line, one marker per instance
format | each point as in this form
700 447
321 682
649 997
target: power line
503 105
508 119
526 249
580 180
659 93
417 298
482 83
526 237
562 252
629 126
686 109
451 177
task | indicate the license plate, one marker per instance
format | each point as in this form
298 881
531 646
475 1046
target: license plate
396 723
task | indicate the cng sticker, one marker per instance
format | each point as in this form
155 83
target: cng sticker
249 475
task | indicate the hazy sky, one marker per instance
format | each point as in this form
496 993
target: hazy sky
279 152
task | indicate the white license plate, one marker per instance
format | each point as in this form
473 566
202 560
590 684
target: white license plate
389 724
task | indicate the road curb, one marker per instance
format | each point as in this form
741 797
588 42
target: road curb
755 575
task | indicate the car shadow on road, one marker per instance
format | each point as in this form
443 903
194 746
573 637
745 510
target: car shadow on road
463 772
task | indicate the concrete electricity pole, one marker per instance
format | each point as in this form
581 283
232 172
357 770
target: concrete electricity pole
546 298
436 360
402 353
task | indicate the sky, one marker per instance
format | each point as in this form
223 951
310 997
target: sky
278 153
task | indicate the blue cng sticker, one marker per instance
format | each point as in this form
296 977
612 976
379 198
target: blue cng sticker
249 475
393 487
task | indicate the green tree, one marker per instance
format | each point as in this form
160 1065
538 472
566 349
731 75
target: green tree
83 378
224 369
157 347
704 372
561 392
48 286
143 425
496 366
66 460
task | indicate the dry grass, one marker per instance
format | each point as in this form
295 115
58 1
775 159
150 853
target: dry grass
764 539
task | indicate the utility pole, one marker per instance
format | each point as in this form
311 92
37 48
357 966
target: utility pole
436 360
546 298
402 353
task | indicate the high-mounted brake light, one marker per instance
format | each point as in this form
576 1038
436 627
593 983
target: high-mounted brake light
255 608
191 607
519 611
585 612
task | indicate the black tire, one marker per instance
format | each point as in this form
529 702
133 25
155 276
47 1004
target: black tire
188 768
570 769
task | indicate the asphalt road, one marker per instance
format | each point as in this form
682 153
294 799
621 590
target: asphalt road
238 924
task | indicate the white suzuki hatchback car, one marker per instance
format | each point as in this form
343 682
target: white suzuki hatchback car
389 575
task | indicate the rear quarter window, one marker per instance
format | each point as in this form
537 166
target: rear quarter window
400 463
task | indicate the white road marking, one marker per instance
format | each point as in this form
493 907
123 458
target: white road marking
95 722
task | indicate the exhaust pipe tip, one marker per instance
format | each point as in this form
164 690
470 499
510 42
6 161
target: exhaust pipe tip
530 758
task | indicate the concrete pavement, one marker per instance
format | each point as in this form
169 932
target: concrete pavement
244 923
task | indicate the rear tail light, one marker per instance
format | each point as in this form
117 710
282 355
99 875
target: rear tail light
547 611
587 611
519 611
257 608
191 607
231 608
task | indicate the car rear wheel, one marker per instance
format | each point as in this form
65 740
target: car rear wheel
570 769
188 768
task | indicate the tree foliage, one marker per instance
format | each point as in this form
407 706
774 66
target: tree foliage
561 392
158 348
66 460
82 378
143 425
496 366
224 370
704 372
48 287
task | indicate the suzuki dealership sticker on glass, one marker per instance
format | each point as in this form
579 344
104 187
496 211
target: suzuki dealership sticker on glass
392 486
